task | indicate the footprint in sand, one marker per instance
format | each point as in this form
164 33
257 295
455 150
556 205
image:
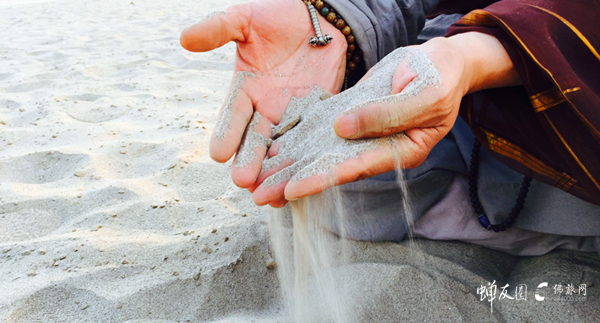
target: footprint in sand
41 167
90 108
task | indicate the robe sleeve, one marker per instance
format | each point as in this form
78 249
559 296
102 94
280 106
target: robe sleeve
549 128
380 26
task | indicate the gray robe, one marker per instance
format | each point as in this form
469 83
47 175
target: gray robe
439 191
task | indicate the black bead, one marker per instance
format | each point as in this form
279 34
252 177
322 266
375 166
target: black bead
520 200
472 173
519 207
473 194
474 155
495 228
478 210
524 190
522 195
474 200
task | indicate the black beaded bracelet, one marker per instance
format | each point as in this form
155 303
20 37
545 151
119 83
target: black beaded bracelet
476 203
353 54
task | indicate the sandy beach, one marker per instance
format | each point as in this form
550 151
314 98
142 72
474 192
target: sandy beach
111 209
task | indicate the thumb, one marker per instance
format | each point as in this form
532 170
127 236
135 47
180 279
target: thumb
217 29
382 117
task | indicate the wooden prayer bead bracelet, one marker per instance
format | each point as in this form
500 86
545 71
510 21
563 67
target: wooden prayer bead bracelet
354 54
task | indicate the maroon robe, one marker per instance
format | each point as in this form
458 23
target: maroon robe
549 128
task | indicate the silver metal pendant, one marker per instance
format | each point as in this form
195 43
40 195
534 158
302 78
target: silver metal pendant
320 39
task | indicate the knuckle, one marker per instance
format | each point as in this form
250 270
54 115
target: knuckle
390 121
418 159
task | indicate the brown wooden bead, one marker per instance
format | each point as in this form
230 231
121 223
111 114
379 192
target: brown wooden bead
313 2
352 66
319 4
347 72
348 57
356 59
350 39
351 48
331 17
340 24
346 31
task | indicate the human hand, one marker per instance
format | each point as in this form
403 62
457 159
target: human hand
311 153
466 63
272 38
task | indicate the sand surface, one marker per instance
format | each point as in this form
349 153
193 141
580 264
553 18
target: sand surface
112 211
108 197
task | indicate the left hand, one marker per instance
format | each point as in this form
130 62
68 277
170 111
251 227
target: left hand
272 43
467 63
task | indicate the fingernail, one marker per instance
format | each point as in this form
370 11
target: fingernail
348 125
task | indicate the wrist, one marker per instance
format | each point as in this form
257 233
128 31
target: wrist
329 19
486 63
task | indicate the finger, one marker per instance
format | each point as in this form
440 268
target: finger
273 150
273 190
248 160
390 115
264 195
403 152
217 30
271 170
309 186
278 204
363 166
232 120
273 186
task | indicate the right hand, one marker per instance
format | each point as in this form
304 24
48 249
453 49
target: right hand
272 38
